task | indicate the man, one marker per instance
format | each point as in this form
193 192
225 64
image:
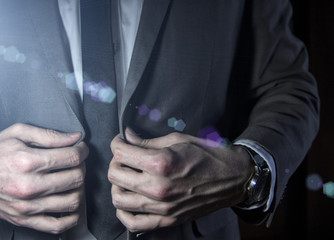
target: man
185 73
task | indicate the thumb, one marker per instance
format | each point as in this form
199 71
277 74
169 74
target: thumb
133 138
159 142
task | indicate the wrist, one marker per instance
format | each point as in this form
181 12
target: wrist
257 187
247 169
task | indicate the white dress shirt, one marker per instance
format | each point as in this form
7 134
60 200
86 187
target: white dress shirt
129 13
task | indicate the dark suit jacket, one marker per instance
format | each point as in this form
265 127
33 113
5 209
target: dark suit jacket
232 64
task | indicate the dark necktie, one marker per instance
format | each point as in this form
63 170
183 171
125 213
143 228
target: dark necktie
100 111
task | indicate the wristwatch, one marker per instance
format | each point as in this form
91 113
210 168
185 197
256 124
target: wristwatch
258 187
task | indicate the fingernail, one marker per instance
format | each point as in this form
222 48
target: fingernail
130 131
74 134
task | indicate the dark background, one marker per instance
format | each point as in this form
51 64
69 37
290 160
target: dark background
305 214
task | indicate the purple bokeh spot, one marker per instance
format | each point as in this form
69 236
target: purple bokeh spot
206 131
60 74
34 64
313 182
155 115
143 110
213 139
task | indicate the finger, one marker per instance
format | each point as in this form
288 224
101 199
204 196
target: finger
157 162
168 140
134 156
59 203
132 202
59 158
34 186
62 181
40 137
157 143
156 188
143 222
125 177
47 223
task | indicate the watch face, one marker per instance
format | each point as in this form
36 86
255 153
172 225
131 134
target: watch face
262 187
258 188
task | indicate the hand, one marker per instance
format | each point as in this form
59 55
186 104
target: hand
175 178
41 171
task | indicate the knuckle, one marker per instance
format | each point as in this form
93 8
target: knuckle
176 137
145 142
132 227
166 209
111 173
118 155
60 225
110 177
129 223
74 205
21 190
162 192
24 191
51 133
117 201
163 163
57 228
113 143
80 178
18 127
75 158
22 162
22 207
16 220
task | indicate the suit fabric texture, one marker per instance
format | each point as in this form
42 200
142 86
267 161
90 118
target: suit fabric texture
231 64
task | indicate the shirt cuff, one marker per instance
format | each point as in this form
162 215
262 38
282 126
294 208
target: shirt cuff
271 164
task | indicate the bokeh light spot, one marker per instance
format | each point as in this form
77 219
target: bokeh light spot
70 81
34 64
60 74
155 115
328 189
107 94
2 50
10 54
314 182
180 125
143 110
20 58
172 122
213 139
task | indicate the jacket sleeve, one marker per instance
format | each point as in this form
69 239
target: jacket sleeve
285 117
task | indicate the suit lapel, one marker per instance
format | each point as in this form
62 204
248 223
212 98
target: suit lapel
55 47
153 14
